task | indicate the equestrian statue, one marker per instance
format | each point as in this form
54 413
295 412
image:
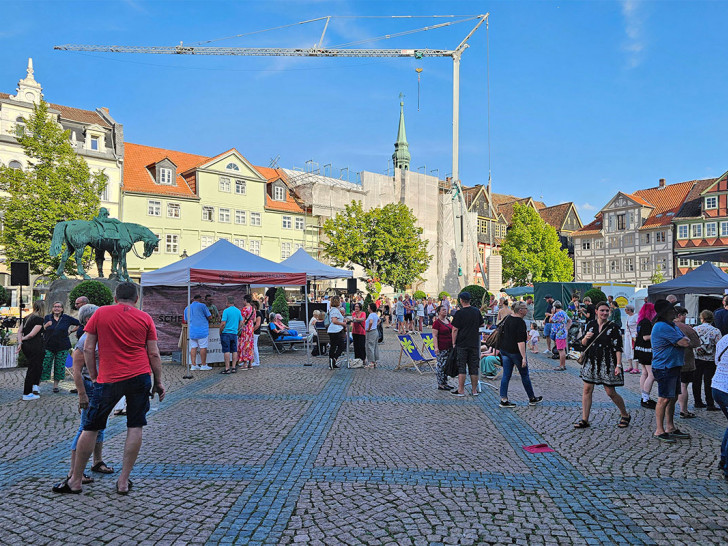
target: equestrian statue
103 234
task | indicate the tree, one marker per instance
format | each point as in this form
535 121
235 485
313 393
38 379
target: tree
595 295
478 294
532 251
280 305
385 241
57 185
96 292
657 277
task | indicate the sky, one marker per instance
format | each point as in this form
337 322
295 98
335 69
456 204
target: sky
587 98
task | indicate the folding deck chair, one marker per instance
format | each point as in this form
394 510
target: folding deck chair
414 357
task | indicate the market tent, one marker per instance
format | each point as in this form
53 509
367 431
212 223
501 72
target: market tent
224 263
518 291
706 279
303 261
561 291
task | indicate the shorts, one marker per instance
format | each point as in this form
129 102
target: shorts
408 316
560 344
229 342
400 318
668 381
686 377
107 395
199 342
468 359
547 330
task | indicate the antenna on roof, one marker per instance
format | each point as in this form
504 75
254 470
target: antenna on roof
273 164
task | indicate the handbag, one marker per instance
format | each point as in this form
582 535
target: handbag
582 356
492 340
451 364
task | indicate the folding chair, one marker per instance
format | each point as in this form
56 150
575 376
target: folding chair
415 359
322 335
428 345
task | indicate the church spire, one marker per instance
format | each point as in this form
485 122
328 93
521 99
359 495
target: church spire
401 155
28 89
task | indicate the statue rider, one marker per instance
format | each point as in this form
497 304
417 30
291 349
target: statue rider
108 227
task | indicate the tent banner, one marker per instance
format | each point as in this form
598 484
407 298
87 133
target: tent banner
244 277
166 305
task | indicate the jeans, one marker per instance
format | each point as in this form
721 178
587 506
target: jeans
510 361
703 375
89 386
721 398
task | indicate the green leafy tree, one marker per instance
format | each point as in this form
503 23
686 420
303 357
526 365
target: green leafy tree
477 294
96 292
367 300
532 251
595 295
657 277
443 295
385 241
57 185
280 305
419 295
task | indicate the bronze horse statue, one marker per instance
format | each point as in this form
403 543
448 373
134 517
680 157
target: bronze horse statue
117 240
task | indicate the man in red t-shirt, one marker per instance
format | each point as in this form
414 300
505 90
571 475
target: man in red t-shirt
128 353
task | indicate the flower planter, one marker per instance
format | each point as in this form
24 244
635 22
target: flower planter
8 356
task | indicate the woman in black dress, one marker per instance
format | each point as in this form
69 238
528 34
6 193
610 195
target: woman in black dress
30 342
643 352
603 365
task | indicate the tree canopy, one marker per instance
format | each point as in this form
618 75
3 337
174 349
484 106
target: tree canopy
532 251
385 241
57 185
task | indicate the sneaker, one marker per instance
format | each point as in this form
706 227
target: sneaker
649 404
677 433
456 393
713 408
664 437
536 400
700 405
205 367
194 367
546 352
27 397
506 404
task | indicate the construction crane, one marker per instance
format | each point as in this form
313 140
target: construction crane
319 51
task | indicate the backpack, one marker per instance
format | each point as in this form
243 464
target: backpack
327 320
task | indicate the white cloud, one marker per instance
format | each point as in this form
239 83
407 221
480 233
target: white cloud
587 206
634 44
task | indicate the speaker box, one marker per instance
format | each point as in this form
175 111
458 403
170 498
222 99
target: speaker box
306 288
351 286
19 274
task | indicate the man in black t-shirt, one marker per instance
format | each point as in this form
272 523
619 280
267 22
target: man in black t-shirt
466 338
512 345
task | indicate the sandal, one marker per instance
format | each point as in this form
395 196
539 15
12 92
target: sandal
63 487
582 424
225 372
85 480
624 422
635 371
233 370
102 468
687 414
123 492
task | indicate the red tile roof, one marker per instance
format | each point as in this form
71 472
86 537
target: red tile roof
290 204
593 228
556 215
666 199
73 114
137 178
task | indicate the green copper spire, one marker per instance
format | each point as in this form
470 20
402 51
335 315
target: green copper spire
401 155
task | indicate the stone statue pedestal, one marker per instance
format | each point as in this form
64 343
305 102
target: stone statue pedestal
61 288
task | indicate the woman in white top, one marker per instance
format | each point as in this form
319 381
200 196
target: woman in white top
372 336
337 332
719 387
420 315
630 335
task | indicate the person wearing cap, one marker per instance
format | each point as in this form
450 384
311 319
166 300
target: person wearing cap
547 322
466 339
668 346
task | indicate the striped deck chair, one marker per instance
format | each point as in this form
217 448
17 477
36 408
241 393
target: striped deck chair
414 357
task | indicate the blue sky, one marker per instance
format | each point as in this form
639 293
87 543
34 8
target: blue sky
587 98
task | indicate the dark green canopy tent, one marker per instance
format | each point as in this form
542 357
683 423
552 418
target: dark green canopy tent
561 291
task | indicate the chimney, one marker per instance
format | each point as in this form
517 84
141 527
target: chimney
662 182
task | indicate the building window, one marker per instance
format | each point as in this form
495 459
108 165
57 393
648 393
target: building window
287 222
682 231
156 248
16 165
105 194
19 127
279 193
724 229
586 245
647 238
255 219
240 187
171 245
208 214
614 266
614 242
711 229
232 167
645 263
620 222
240 243
628 265
173 210
482 225
95 143
598 267
662 264
598 243
285 250
697 231
629 239
154 208
296 246
224 239
697 263
240 217
711 202
683 262
224 215
165 176
205 241
224 184
660 237
586 268
300 223
255 247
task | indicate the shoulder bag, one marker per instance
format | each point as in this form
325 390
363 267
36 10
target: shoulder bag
582 356
492 340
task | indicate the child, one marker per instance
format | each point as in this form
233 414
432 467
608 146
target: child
533 338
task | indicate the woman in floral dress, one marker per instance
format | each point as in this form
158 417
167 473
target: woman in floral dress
246 339
603 365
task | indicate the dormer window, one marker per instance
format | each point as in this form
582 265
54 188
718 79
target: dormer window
711 202
279 193
95 143
232 167
165 176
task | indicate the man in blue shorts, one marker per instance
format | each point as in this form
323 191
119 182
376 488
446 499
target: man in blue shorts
198 316
229 329
668 344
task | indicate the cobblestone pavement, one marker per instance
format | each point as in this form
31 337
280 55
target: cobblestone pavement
291 454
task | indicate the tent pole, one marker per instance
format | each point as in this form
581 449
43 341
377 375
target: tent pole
309 361
188 371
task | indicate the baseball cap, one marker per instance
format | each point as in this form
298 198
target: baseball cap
547 296
465 296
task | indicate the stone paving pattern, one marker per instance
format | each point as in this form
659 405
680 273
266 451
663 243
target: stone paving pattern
287 454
